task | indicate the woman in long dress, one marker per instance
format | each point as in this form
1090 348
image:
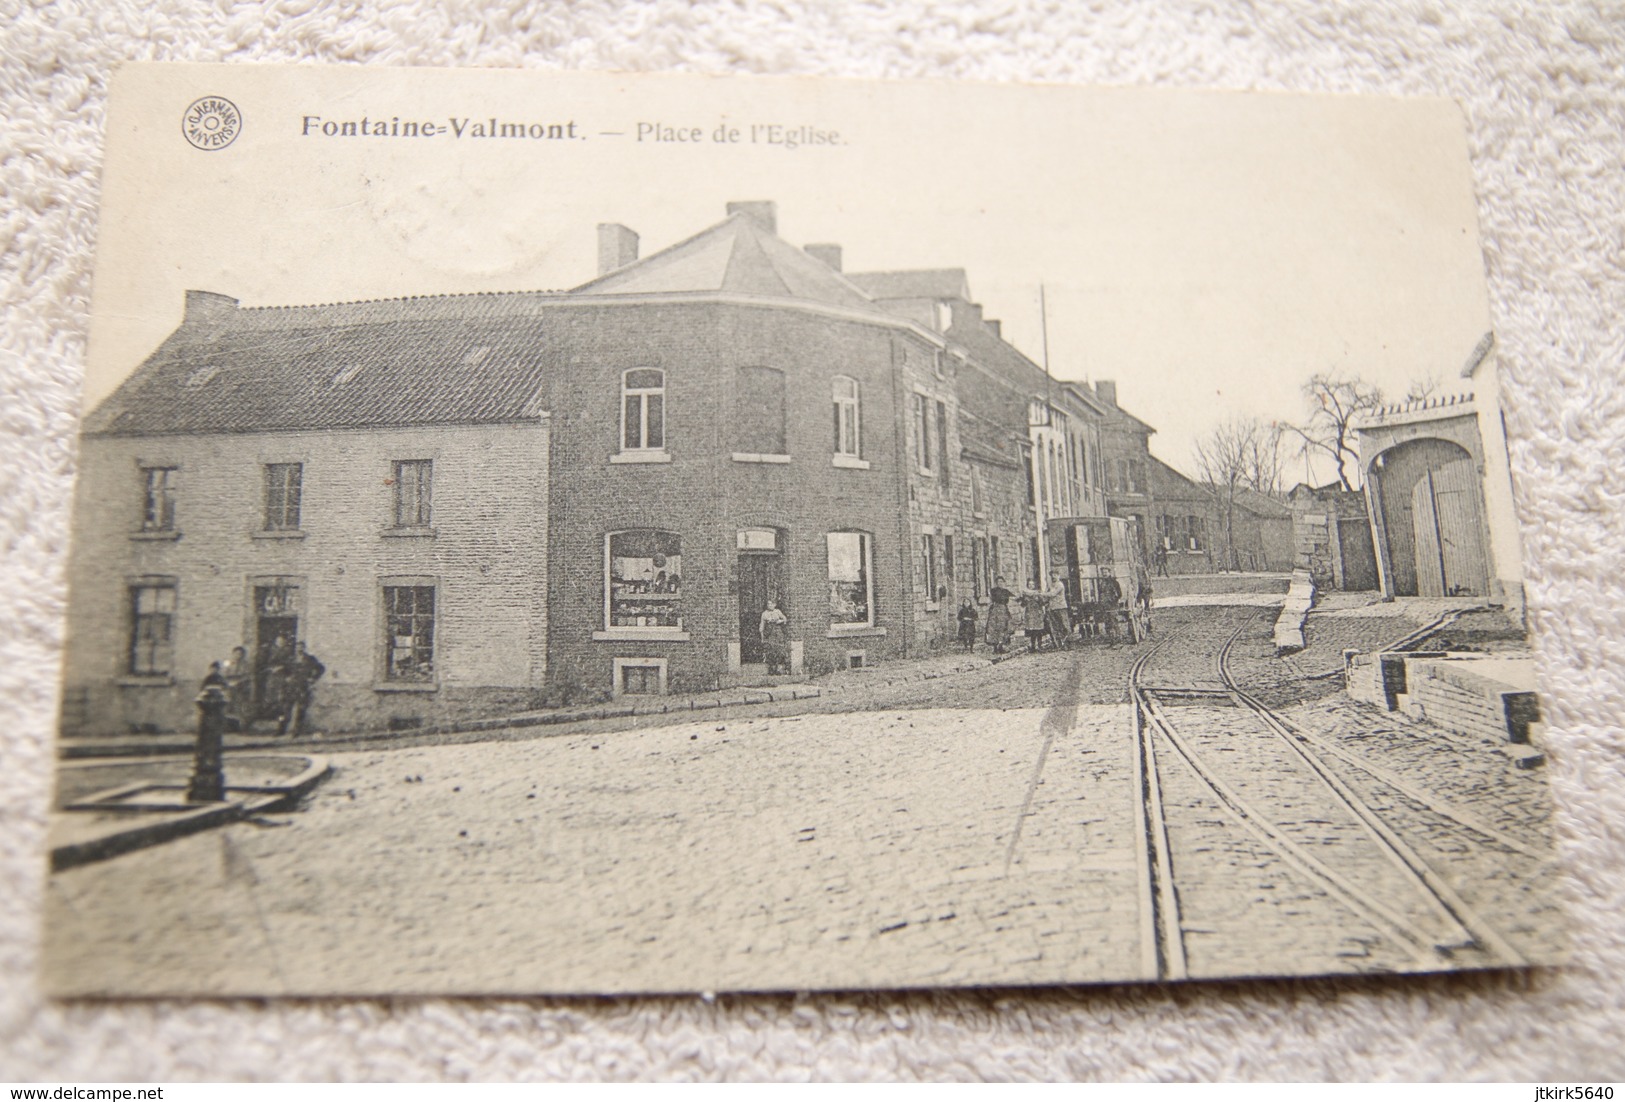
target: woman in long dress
998 617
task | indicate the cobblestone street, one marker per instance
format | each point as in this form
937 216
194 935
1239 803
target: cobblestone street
928 832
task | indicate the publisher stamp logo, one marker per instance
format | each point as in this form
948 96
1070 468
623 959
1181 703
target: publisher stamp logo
212 122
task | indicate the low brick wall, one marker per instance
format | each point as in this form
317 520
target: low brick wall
1454 695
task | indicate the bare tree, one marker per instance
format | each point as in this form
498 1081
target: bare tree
1242 453
1421 390
1334 401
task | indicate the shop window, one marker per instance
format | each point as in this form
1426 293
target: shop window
409 620
846 416
644 582
643 410
851 579
414 481
152 628
283 486
158 499
758 427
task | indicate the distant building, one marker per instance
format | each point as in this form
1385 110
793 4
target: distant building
1332 537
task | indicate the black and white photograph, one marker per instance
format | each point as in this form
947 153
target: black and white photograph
544 533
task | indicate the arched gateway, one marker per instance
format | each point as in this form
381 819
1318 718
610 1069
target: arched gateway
1432 519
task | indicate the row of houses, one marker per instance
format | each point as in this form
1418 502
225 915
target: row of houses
461 503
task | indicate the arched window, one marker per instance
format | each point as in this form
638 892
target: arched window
643 410
643 581
845 392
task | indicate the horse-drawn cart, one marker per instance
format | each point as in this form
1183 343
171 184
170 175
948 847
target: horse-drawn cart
1105 576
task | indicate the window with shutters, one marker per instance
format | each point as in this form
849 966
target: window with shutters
283 490
158 499
414 482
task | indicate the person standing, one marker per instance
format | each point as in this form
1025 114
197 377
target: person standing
1035 604
1159 561
998 617
775 630
299 687
1058 615
272 702
1111 602
967 624
239 687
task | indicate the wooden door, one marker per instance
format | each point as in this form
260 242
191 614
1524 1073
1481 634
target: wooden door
1461 527
760 577
1425 524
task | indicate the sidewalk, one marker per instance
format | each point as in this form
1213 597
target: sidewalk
898 672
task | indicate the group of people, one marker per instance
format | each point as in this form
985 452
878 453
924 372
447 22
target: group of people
286 686
1045 616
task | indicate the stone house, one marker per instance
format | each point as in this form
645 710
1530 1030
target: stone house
320 474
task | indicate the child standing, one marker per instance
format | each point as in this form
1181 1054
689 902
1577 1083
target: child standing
967 624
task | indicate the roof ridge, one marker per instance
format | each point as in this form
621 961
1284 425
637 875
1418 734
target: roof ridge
400 298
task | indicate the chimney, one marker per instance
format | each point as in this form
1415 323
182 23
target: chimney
206 307
764 212
993 324
829 254
617 247
1106 391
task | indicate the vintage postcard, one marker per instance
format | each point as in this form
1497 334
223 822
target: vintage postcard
589 533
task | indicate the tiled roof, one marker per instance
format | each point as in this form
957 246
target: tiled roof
352 365
737 255
923 283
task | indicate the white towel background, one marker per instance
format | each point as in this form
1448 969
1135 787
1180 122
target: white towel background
1543 86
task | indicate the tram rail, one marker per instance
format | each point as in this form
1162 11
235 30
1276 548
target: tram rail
1413 908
